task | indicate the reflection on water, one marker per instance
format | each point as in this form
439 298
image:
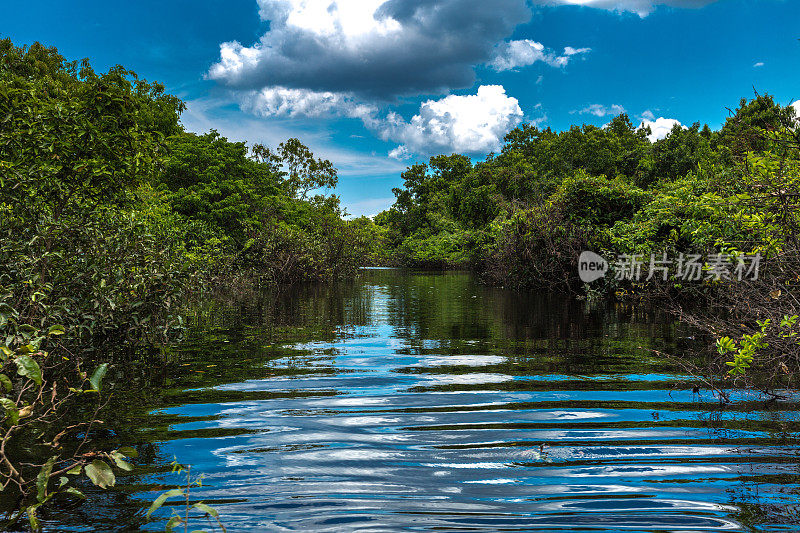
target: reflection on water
425 401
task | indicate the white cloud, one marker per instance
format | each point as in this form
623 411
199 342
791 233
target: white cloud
400 153
660 127
600 110
640 7
570 51
471 123
282 101
325 18
466 124
521 53
371 48
759 64
796 106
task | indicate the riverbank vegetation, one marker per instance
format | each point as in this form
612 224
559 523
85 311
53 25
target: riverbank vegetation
728 198
111 215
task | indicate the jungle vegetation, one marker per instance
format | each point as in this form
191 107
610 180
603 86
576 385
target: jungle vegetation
112 215
520 215
523 216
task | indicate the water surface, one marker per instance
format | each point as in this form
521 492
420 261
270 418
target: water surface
426 401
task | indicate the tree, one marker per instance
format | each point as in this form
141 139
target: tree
65 130
743 130
214 181
300 170
676 155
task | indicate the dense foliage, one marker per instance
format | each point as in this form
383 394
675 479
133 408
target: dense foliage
251 209
610 189
110 216
523 217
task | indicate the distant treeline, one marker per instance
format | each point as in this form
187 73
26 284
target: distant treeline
522 216
727 199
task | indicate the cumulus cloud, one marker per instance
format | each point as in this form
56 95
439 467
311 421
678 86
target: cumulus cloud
796 106
660 127
467 124
521 53
600 110
369 48
282 101
400 153
640 7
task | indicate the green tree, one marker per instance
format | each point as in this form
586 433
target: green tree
300 170
743 130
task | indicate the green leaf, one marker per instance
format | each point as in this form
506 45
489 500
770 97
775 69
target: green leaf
32 518
29 368
158 502
121 463
174 521
57 329
206 509
128 451
43 478
6 382
100 474
12 413
74 492
97 377
75 470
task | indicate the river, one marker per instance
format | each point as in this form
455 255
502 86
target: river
427 401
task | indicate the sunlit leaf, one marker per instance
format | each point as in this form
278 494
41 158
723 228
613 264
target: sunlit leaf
12 414
74 492
206 509
32 518
100 474
128 451
43 478
98 375
29 368
172 522
119 459
158 502
57 329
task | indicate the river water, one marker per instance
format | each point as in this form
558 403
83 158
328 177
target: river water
426 401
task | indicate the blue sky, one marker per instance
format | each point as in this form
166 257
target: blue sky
375 85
